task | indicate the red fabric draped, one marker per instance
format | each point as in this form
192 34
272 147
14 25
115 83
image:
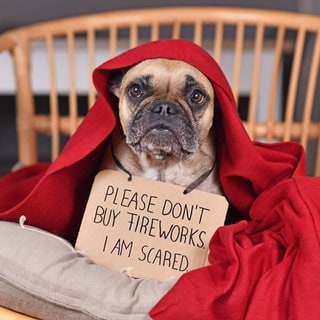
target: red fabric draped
267 268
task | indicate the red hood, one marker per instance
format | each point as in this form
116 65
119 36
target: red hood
246 169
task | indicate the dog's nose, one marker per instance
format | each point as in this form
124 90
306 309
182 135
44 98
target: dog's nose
164 108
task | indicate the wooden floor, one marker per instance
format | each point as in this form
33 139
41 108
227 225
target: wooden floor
6 314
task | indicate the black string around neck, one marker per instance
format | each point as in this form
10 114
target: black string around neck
188 188
198 181
119 164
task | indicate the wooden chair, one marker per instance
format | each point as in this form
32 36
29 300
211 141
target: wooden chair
270 58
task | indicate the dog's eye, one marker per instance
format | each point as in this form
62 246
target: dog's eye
135 91
196 96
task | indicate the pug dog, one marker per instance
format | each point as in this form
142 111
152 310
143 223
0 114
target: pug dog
166 110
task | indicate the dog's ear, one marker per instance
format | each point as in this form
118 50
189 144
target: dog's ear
115 81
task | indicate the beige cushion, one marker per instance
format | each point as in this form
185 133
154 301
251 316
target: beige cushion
43 276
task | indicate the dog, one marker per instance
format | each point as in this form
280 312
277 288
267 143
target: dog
166 110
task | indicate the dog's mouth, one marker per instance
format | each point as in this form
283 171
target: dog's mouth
163 140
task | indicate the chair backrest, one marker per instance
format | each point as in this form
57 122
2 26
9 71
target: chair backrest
270 58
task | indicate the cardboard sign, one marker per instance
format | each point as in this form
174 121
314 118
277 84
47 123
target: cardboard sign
148 227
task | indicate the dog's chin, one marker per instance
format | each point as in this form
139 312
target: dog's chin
161 144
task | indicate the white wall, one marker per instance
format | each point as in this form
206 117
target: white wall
309 6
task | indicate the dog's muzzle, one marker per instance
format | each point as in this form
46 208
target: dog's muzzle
162 128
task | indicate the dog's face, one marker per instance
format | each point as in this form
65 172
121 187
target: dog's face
165 108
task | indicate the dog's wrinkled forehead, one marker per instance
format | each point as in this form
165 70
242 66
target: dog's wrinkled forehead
164 73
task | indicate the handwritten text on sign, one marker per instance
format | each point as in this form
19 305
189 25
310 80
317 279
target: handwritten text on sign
147 226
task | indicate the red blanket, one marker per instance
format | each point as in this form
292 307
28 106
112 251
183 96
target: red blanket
261 269
267 268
